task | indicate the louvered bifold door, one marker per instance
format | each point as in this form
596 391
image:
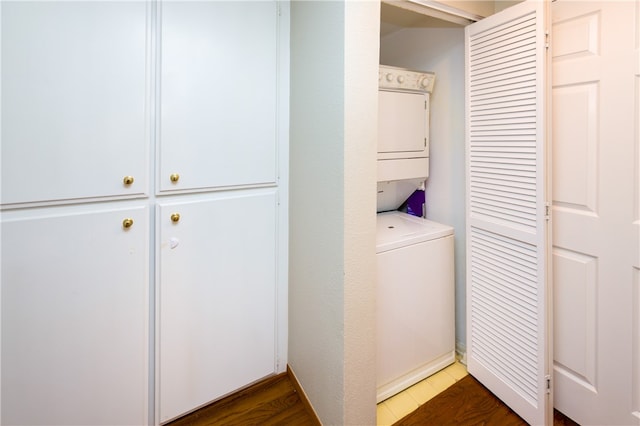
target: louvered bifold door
508 348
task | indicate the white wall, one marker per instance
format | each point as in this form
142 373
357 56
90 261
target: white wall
477 7
482 8
362 38
503 4
332 206
316 200
441 50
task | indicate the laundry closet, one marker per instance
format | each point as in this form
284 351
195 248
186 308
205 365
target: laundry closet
462 190
488 184
437 46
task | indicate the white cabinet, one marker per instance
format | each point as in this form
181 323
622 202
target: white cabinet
218 94
74 315
218 129
75 281
216 296
74 90
94 92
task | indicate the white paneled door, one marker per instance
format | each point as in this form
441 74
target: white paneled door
507 231
75 290
596 88
74 111
216 296
218 84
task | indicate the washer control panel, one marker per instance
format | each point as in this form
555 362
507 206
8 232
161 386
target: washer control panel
404 79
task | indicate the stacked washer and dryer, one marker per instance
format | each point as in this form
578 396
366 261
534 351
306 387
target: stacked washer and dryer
415 296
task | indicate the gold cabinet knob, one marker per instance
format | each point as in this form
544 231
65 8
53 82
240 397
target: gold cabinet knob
128 180
175 217
127 223
174 177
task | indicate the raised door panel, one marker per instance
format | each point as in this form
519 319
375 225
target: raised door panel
218 94
74 90
75 316
216 297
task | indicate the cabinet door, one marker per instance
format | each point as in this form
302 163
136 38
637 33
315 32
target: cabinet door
74 117
75 316
218 94
216 297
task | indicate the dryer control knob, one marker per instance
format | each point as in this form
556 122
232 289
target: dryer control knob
400 79
389 77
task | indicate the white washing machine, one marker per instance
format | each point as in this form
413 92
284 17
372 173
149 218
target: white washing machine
415 300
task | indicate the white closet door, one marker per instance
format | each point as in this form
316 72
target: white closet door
507 233
75 315
216 297
218 94
74 99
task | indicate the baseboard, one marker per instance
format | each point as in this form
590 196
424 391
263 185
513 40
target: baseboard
409 379
461 353
303 397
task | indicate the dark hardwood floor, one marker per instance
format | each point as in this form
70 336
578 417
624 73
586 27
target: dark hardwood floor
274 401
277 401
468 403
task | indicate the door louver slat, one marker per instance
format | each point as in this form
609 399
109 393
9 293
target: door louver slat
507 112
492 82
523 70
482 189
507 95
510 186
504 65
502 105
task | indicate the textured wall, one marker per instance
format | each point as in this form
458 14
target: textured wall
316 212
334 48
361 132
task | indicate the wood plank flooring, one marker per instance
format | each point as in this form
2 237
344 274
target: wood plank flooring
467 402
275 401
